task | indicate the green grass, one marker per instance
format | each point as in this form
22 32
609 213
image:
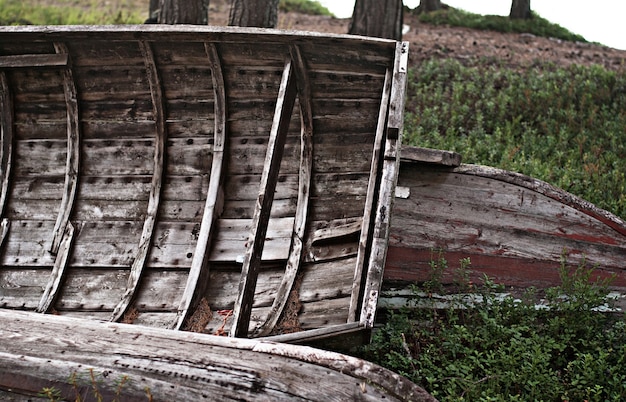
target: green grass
70 12
536 25
561 125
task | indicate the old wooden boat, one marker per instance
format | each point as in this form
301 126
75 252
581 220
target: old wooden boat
218 180
514 228
135 363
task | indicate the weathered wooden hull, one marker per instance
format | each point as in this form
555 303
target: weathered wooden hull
211 179
129 362
513 228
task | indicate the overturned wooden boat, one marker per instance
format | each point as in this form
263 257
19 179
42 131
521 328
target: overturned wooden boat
61 355
515 229
211 179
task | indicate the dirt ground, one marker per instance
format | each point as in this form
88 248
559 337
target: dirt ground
429 41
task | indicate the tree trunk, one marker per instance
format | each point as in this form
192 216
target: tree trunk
429 5
520 9
183 12
254 13
380 18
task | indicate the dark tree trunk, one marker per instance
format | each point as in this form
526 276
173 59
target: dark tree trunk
520 9
183 12
254 13
380 18
429 5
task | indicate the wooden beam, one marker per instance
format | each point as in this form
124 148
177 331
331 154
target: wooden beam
304 190
53 287
199 271
252 259
6 136
34 60
426 155
158 104
72 164
372 193
388 182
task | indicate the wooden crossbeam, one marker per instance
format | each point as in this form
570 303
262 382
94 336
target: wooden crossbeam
252 260
198 277
158 104
72 164
304 190
388 182
372 193
34 60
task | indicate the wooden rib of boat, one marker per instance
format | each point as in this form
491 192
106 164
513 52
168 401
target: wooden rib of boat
514 228
134 363
220 180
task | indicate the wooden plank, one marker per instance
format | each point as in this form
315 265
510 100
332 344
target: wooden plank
304 192
72 165
199 271
34 60
6 137
372 195
157 181
177 365
52 289
284 109
427 155
390 168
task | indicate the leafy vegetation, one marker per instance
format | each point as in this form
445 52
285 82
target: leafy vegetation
561 125
536 25
311 7
508 349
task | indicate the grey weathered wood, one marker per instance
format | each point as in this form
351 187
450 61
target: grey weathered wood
175 365
388 182
118 121
199 272
251 264
427 155
34 60
52 289
72 165
304 191
155 188
372 189
6 137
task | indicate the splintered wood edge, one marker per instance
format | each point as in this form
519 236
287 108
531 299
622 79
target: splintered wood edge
6 131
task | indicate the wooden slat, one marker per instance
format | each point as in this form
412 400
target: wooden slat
143 248
390 169
72 164
53 287
304 191
372 193
428 155
199 272
252 260
6 149
34 60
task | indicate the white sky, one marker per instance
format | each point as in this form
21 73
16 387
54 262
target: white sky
597 21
